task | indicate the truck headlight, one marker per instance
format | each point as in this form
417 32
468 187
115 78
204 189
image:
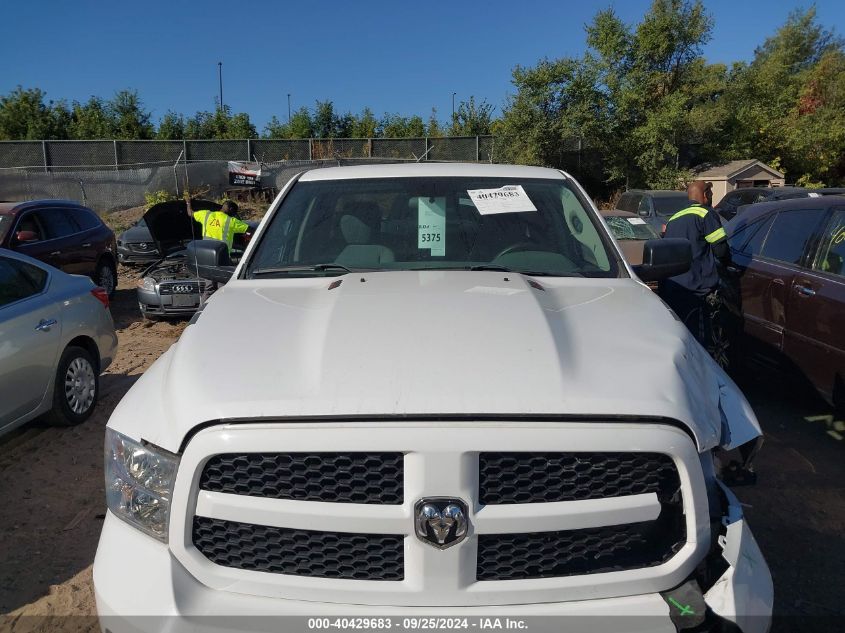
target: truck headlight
139 483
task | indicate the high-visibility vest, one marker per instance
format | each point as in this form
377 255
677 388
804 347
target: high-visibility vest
710 238
217 225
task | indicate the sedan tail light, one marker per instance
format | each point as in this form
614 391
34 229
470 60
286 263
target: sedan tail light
101 295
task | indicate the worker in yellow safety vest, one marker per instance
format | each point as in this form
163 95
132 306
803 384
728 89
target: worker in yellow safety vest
220 225
691 295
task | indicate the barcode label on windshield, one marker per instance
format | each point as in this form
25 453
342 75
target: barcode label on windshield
507 199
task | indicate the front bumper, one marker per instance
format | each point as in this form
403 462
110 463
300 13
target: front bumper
140 586
152 303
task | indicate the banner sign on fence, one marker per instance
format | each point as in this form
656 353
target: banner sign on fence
244 174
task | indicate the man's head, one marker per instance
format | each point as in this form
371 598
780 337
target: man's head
229 208
700 192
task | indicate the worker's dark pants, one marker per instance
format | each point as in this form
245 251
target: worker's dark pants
692 308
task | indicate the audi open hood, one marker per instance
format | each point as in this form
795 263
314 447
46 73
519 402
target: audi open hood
171 227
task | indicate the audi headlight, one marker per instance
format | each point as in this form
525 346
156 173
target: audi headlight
139 483
147 283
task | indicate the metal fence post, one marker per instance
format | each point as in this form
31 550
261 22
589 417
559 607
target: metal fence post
116 163
369 148
427 147
185 150
310 150
44 155
248 150
477 150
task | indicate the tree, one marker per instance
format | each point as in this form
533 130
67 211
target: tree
221 124
786 105
325 120
129 118
433 127
364 125
91 120
472 119
25 116
172 127
637 97
398 126
301 125
239 126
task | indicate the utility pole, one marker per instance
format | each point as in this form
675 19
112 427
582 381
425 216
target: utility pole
288 108
220 78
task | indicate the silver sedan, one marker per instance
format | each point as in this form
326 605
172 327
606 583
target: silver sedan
56 337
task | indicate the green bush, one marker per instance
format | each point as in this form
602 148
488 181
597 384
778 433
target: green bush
152 198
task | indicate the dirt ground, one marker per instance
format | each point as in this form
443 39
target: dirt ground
52 500
51 483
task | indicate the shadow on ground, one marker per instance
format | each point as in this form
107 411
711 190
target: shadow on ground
797 508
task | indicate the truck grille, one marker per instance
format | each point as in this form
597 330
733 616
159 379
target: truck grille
299 552
315 510
375 478
547 477
580 552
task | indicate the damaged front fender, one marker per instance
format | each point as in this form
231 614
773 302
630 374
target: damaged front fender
744 594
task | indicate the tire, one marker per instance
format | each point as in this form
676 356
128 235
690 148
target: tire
76 388
106 276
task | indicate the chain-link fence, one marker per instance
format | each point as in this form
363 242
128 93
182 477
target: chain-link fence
110 175
70 156
106 190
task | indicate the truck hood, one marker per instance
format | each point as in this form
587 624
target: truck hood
435 343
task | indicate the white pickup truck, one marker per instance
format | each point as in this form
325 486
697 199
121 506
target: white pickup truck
424 391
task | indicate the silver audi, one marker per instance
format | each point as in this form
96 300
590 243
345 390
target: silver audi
56 337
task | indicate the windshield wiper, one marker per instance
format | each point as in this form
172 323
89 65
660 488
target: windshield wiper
281 270
501 269
528 273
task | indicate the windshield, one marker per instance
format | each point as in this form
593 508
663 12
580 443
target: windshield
630 228
669 205
523 225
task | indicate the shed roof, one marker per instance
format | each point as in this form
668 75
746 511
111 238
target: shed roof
731 168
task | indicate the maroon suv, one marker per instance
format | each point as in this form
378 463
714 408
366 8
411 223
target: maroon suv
63 234
787 284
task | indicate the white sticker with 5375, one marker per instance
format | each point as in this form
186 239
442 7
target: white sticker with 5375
431 225
507 199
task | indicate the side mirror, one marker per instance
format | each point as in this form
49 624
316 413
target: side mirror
26 236
644 213
664 258
209 259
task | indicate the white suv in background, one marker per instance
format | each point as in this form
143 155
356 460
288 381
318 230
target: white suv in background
413 397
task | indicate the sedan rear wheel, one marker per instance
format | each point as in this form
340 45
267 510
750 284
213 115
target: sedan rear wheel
76 388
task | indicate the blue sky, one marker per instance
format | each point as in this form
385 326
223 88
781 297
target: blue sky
393 56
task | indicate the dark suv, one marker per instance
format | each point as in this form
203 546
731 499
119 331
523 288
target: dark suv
63 234
653 205
735 201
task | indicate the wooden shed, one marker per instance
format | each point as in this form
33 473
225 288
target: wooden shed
738 173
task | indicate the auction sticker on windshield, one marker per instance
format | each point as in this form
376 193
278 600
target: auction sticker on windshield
636 220
507 199
431 225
